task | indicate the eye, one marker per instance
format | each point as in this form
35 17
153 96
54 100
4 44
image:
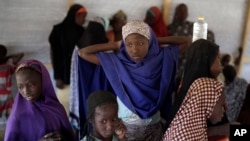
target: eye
104 121
115 119
140 43
31 85
20 87
129 45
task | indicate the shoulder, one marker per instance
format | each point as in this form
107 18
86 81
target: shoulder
205 83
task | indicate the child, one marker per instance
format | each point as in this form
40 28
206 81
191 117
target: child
200 97
102 114
37 113
141 75
7 67
95 33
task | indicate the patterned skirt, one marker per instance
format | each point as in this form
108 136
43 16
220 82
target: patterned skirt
152 132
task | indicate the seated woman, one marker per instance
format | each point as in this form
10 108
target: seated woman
200 96
37 114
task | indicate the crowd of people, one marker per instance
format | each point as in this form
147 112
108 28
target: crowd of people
138 80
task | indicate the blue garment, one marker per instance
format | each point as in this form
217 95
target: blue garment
91 78
144 87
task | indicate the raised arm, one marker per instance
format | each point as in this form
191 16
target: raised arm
182 41
16 57
89 53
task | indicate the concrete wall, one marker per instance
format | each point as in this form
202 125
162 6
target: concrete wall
26 24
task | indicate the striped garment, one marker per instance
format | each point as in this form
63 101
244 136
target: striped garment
6 99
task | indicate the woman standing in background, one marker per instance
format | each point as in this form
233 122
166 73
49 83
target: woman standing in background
63 39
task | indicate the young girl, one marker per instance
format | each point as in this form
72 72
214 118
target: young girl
37 113
95 34
141 75
200 97
102 115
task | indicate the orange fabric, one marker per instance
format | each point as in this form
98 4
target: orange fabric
159 27
81 10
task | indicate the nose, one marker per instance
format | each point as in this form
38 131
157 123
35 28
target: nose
110 126
134 49
25 91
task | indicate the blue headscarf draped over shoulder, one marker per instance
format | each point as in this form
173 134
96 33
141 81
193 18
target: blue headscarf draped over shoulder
144 87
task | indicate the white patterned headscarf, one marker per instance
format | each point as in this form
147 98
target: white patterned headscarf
136 26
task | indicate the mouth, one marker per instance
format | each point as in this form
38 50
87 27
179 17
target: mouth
136 58
29 98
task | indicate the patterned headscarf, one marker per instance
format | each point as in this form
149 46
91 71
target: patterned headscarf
136 27
40 117
190 122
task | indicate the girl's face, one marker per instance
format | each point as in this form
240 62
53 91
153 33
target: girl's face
29 83
215 69
219 110
105 121
136 46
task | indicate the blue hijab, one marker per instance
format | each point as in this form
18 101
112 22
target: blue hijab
144 87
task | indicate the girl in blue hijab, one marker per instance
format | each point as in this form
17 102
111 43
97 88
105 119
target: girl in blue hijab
142 76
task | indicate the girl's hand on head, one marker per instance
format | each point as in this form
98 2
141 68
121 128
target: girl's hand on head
52 136
120 131
119 43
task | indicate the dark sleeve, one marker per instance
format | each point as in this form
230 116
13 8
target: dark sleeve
224 120
56 52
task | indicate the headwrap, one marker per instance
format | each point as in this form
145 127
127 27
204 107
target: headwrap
99 98
82 10
159 27
144 87
136 27
40 117
103 21
120 15
190 122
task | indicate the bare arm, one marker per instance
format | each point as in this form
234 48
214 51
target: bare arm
89 53
16 57
182 41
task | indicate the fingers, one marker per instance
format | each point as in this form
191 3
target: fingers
53 136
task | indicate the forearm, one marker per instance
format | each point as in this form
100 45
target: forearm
89 53
182 41
98 48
